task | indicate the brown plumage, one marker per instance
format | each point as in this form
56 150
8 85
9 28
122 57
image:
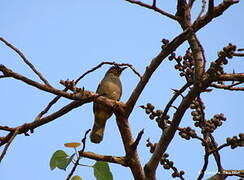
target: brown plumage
110 87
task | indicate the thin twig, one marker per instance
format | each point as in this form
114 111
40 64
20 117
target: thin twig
6 128
219 148
153 8
79 157
110 63
216 155
205 165
238 54
84 140
8 144
227 87
3 76
202 10
190 3
138 138
26 61
179 92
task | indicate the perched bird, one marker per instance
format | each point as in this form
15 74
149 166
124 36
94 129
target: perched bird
109 87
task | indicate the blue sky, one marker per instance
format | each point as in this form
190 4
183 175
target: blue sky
63 39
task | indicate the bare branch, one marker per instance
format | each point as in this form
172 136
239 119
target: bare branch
227 87
219 148
203 9
205 165
84 140
153 7
190 3
112 159
230 77
3 76
53 101
138 138
85 96
28 126
26 61
6 128
210 7
238 54
165 112
170 47
110 63
216 155
8 143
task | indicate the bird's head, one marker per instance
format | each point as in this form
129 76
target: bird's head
116 70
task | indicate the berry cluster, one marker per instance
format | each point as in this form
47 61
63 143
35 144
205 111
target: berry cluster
151 145
158 114
213 123
187 133
235 142
185 65
227 52
167 164
208 126
216 67
197 115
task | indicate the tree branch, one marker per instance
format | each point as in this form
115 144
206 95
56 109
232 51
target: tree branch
132 157
227 87
230 77
26 61
153 7
205 165
8 143
28 126
84 96
99 157
168 135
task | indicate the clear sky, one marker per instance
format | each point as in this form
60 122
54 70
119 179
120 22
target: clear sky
63 39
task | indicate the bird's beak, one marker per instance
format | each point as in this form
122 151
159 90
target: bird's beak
122 69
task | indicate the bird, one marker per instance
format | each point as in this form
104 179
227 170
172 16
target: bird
110 87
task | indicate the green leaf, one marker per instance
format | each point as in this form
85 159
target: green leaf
60 159
76 178
59 154
102 171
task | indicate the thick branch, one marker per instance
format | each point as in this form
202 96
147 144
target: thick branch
175 43
199 59
132 157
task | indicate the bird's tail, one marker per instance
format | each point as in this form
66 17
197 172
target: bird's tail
97 133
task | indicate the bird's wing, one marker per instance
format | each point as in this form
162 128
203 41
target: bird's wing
94 104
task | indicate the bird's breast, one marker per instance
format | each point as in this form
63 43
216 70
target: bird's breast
111 88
